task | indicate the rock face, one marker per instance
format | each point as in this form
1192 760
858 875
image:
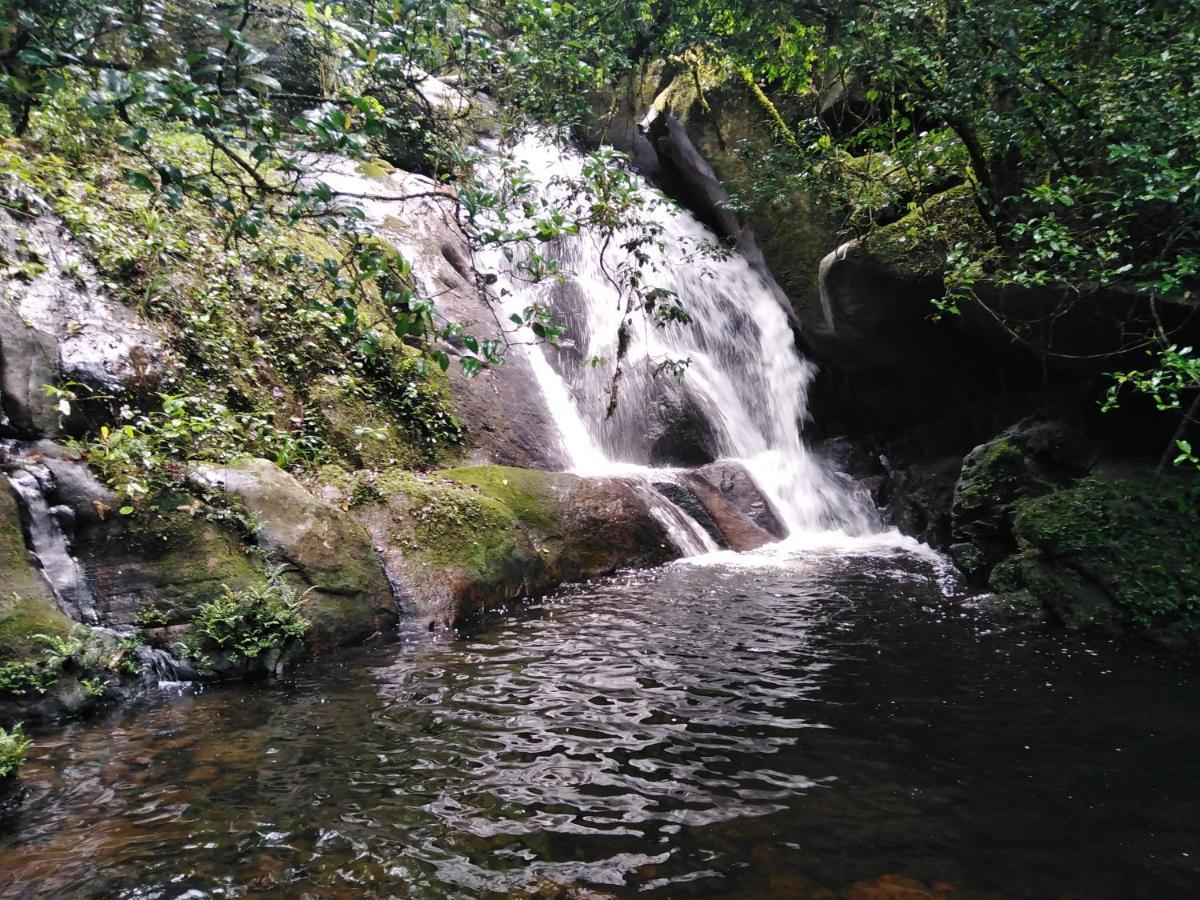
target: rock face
1114 553
347 596
506 418
463 541
28 362
97 342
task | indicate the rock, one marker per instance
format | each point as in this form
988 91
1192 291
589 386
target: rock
27 606
100 342
738 530
163 565
28 362
685 498
918 497
734 483
463 541
506 418
1110 553
1026 460
347 595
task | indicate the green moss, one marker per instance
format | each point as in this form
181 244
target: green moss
915 247
996 468
1111 549
527 493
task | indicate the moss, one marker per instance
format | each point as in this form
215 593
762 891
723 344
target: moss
915 246
452 524
997 466
527 493
1109 551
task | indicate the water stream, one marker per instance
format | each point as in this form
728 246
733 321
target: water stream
805 725
47 533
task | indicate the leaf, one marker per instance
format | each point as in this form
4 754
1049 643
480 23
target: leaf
264 81
139 180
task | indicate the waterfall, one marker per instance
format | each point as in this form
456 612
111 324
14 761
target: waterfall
745 385
48 528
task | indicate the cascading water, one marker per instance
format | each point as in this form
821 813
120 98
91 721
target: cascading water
48 541
744 381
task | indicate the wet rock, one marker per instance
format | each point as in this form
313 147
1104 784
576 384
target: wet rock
163 567
347 594
28 362
678 430
735 485
463 541
1029 459
506 417
100 342
918 497
685 498
739 531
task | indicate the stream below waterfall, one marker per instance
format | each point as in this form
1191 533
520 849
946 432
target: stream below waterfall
787 723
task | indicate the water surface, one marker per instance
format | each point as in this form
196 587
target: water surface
833 725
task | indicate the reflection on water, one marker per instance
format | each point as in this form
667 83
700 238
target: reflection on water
832 726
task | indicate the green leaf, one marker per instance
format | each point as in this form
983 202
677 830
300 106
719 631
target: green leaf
139 180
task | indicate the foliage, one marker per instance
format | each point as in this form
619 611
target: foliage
22 678
246 624
13 746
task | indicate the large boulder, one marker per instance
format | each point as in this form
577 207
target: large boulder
1113 553
100 343
503 410
1026 460
347 596
466 540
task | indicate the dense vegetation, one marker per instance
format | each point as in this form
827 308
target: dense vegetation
1075 125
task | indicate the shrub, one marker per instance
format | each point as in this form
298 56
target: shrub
13 745
246 624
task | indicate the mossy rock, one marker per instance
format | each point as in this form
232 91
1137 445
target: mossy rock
914 247
466 540
1026 460
1112 553
161 569
328 555
26 605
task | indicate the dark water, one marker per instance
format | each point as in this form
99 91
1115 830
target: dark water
830 727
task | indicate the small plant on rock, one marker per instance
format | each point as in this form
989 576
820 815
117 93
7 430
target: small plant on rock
13 745
248 624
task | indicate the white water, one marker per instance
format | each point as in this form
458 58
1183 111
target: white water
744 375
49 542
